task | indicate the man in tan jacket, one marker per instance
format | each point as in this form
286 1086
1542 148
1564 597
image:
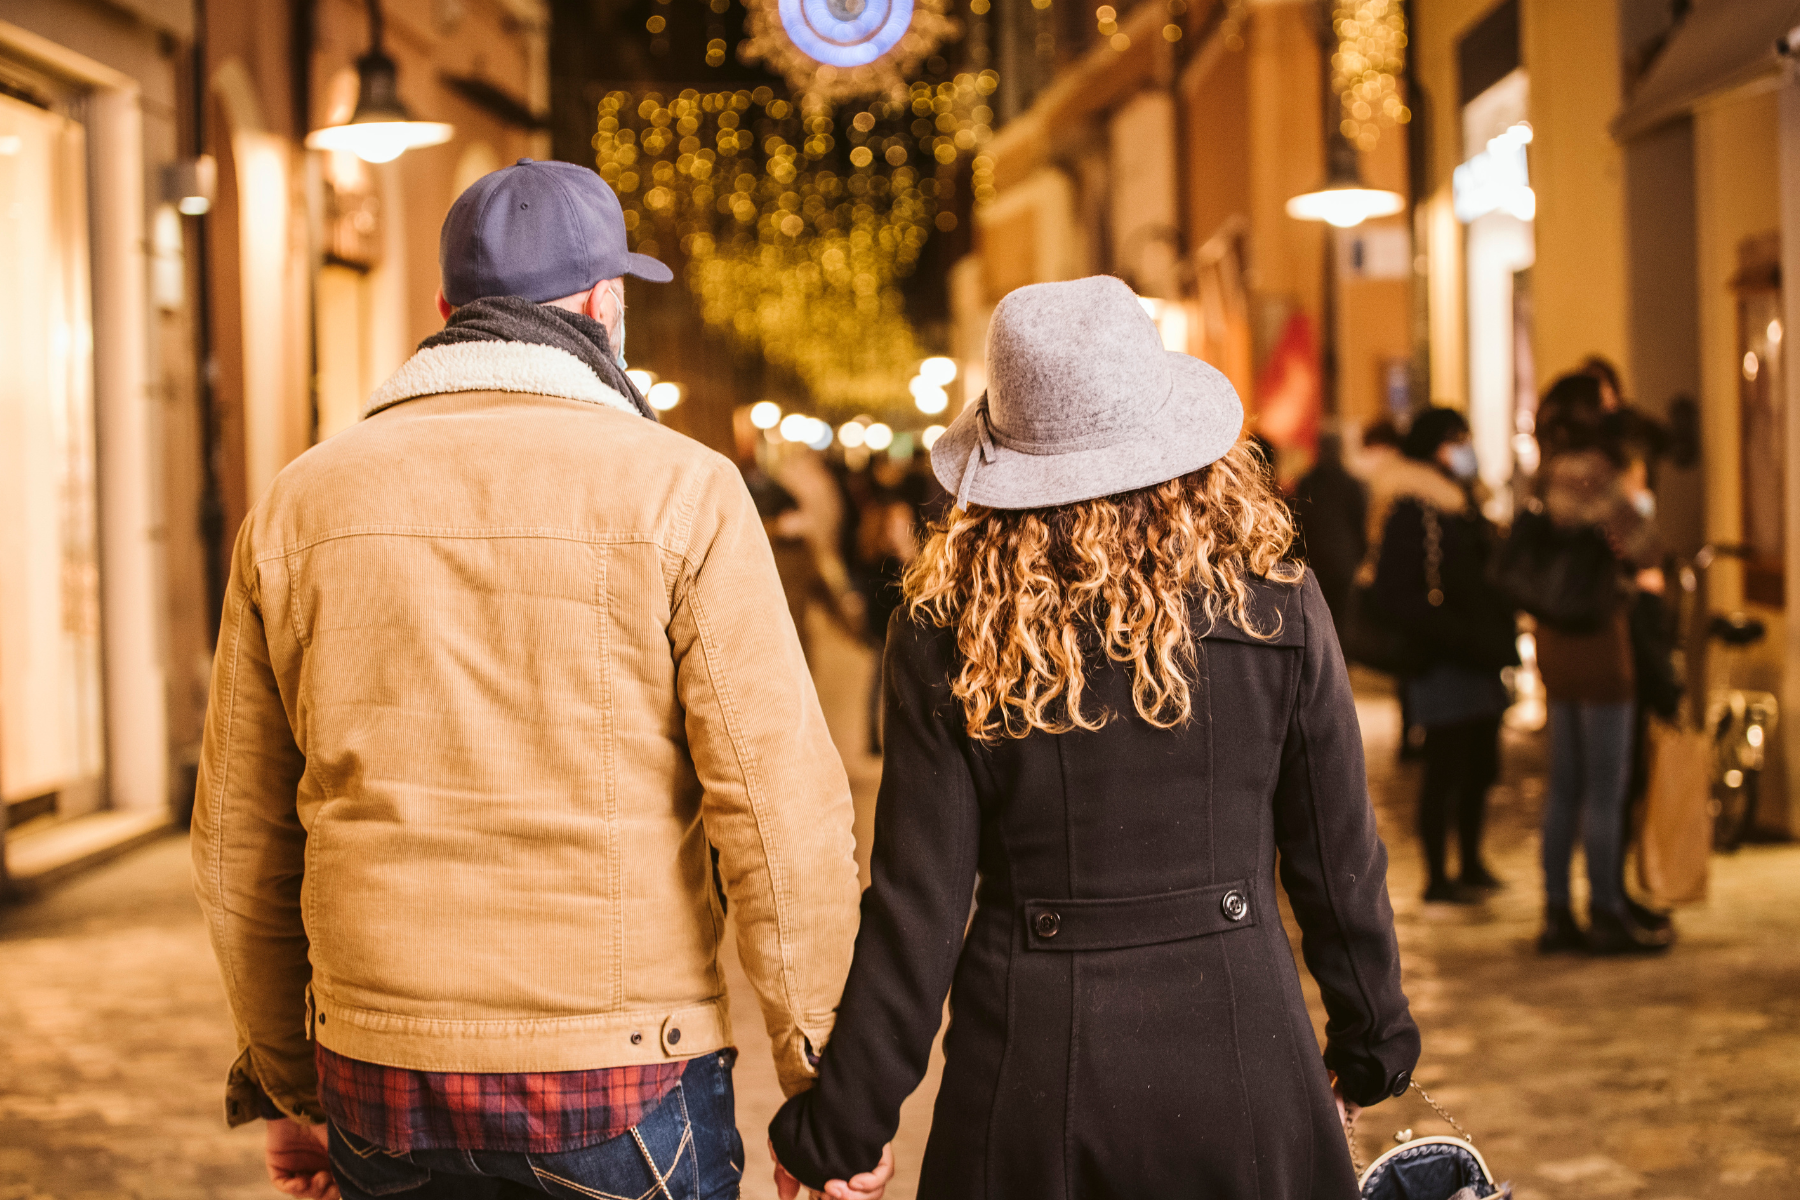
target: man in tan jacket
499 668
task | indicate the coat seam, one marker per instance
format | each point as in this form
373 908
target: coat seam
460 533
753 792
1326 881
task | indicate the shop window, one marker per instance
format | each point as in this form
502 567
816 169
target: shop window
52 742
1763 408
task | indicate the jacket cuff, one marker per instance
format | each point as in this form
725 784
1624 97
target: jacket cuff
246 1100
1365 1080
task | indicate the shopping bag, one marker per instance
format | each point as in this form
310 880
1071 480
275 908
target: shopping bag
1675 843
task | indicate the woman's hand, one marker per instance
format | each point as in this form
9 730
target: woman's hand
1347 1112
870 1185
297 1161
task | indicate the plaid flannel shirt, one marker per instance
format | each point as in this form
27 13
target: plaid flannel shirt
540 1112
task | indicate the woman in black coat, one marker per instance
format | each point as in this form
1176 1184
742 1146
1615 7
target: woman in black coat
1432 581
1106 719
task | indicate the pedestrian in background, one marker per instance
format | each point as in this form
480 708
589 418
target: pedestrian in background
1432 580
1330 508
1589 675
1113 701
1383 470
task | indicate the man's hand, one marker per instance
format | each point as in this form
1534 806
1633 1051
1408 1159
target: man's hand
870 1185
298 1164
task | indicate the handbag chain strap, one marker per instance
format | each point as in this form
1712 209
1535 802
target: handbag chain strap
1434 557
1356 1161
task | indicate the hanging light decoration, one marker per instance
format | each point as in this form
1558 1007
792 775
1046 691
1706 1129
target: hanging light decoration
840 49
380 129
1365 68
793 246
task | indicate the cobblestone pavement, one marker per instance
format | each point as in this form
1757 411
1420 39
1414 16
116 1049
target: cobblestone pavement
1675 1078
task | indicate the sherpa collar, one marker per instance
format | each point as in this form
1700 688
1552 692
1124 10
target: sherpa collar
495 367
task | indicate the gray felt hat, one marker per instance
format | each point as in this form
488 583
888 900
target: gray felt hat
1082 401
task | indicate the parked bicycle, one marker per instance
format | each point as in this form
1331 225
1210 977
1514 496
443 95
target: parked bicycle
1740 720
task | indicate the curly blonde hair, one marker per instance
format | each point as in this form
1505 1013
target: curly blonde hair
1029 591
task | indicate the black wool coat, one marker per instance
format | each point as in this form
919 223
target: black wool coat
1126 1016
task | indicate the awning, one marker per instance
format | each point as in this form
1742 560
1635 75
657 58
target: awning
1721 45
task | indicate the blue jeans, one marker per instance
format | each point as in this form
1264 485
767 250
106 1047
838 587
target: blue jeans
1590 774
686 1149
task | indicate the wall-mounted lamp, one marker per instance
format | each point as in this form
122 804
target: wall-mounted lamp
190 185
380 129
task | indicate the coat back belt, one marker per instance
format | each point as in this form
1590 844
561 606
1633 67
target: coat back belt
1137 920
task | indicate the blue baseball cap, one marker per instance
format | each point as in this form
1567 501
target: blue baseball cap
539 230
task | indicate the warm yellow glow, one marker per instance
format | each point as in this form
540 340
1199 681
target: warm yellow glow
938 370
929 398
852 434
788 251
797 427
663 396
878 436
379 141
931 435
765 414
1345 207
640 379
1370 56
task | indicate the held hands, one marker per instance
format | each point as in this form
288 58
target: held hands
870 1185
297 1162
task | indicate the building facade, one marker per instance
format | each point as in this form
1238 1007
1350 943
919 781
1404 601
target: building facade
193 299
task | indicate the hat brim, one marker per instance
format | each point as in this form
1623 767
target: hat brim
643 266
1198 424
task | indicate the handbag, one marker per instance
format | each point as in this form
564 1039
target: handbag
1566 578
1371 636
1438 1167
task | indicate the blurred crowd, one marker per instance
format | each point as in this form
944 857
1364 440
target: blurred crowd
844 528
1466 612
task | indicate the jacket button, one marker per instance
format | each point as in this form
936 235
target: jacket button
637 1039
1047 924
1401 1082
1234 905
674 1036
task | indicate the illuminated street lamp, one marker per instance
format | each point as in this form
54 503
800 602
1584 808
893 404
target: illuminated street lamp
765 414
663 396
380 129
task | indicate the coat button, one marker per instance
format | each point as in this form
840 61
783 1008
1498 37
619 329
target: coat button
1401 1082
637 1039
1234 905
1047 924
674 1036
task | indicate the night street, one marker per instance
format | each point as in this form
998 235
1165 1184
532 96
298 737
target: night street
1672 1078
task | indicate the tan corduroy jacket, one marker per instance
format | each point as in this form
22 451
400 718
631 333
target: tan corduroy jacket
495 667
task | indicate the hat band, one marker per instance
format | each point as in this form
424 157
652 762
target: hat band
982 451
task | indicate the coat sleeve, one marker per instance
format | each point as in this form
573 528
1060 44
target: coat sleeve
775 799
1334 869
927 835
249 849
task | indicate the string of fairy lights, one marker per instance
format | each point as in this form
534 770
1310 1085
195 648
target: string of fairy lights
1370 56
794 245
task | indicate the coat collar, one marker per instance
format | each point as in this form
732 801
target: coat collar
495 367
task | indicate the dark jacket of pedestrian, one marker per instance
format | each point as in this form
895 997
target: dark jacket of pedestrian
1431 579
1127 1019
1331 508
